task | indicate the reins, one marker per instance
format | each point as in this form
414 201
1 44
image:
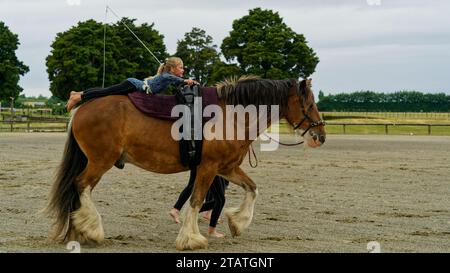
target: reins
284 144
254 155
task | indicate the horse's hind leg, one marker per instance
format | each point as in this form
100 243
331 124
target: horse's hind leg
240 218
85 224
189 236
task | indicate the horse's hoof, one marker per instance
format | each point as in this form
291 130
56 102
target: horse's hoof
119 164
84 238
233 229
192 242
231 216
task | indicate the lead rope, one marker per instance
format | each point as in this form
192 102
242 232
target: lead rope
284 144
254 155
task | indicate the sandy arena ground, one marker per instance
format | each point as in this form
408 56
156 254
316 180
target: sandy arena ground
355 189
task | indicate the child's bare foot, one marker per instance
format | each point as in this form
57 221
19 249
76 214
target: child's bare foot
207 215
75 97
175 214
214 233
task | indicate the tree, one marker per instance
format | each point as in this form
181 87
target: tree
222 70
402 101
57 105
134 56
76 59
262 44
321 95
10 67
199 55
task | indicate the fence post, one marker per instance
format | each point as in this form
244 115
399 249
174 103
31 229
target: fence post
386 129
28 125
343 126
429 129
12 114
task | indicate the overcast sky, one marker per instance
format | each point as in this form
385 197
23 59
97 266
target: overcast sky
379 45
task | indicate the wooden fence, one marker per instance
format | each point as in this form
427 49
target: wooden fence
9 123
388 125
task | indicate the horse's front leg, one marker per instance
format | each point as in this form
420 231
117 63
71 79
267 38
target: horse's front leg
240 218
189 236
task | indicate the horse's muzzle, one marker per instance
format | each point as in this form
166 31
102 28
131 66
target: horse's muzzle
319 137
316 140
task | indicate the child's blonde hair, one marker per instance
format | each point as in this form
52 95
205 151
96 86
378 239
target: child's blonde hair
169 63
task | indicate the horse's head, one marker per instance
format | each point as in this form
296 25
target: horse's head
302 113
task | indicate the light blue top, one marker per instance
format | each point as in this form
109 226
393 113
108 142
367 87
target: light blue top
158 84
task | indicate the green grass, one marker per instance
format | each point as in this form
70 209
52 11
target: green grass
386 117
392 130
383 118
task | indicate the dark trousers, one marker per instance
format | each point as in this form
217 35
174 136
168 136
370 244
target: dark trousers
122 88
215 198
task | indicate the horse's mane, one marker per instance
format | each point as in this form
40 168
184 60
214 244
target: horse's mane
248 90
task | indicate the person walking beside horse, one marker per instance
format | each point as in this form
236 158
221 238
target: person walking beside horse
215 201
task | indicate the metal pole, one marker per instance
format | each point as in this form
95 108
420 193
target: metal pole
12 113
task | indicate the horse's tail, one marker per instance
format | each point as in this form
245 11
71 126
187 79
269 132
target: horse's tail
64 197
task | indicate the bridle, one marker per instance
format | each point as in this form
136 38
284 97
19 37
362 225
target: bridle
312 124
305 111
306 116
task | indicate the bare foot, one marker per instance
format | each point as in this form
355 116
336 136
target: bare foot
207 215
175 214
214 233
75 97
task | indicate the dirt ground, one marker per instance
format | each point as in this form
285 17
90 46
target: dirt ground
393 190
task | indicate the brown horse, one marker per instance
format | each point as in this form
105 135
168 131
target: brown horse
107 129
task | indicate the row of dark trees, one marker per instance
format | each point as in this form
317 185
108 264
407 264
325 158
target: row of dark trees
368 101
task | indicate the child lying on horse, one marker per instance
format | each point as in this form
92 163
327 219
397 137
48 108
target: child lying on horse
169 73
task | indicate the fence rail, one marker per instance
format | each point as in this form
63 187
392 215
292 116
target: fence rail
398 115
30 126
388 125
